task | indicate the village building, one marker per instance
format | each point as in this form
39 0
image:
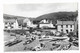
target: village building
66 26
10 24
29 23
20 23
46 23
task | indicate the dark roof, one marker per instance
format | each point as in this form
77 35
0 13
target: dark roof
9 20
20 21
53 22
65 22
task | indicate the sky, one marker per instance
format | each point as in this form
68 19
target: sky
35 10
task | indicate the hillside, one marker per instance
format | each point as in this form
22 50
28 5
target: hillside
19 18
6 16
66 16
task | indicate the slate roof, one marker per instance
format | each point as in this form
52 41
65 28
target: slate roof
9 20
53 22
20 21
65 22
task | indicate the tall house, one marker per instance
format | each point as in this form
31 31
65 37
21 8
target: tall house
65 26
10 24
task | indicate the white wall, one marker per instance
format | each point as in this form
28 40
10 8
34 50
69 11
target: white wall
65 28
15 26
49 25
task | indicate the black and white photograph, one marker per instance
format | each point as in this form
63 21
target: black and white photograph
40 27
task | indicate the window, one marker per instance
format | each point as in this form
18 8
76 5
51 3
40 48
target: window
5 22
11 23
70 29
5 26
11 26
62 26
71 26
19 24
61 29
66 31
67 26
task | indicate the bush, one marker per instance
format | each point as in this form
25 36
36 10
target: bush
62 34
72 37
71 34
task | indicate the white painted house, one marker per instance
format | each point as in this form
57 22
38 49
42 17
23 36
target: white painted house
46 23
29 23
65 26
10 24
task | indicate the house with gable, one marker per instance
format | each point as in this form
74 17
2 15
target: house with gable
46 23
10 24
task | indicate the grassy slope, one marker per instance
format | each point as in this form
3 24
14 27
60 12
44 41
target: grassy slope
58 16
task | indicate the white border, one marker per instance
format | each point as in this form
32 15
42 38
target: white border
31 1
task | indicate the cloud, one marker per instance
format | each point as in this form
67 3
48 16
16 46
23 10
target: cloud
34 10
28 7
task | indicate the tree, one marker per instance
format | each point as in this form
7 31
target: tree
61 34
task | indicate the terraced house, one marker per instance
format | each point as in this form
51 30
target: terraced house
66 26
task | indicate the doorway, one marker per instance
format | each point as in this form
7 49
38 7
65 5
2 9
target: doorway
66 31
